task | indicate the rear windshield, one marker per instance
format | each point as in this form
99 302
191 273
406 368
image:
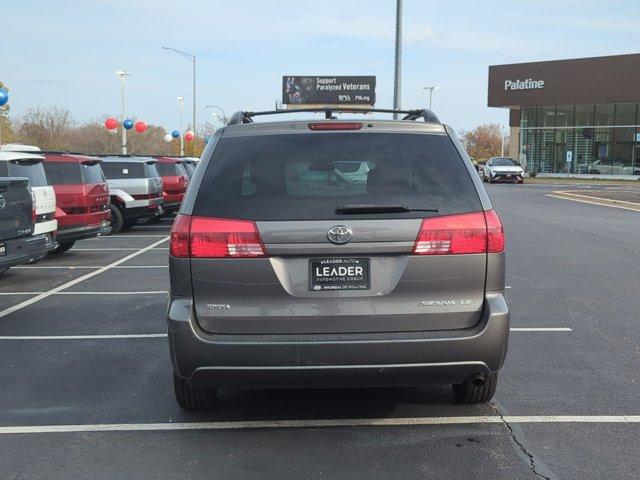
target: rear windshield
189 168
91 173
34 171
63 173
306 177
120 170
170 169
503 162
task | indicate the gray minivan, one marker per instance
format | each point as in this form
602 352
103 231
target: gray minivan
330 253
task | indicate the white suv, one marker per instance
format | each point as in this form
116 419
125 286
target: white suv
18 164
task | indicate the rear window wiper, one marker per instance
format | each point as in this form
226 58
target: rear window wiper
364 208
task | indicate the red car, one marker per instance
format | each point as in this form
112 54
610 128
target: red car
82 197
174 182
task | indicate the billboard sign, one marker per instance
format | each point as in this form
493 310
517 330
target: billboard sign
328 90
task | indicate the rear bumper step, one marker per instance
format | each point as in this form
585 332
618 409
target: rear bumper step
273 361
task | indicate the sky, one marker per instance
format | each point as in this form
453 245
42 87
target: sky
66 53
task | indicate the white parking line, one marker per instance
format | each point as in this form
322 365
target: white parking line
540 329
163 335
352 422
72 267
114 249
83 337
75 281
145 292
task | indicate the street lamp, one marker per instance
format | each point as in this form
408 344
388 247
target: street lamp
180 110
224 118
431 89
192 57
123 74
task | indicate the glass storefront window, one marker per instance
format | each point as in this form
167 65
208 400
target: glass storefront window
564 144
584 115
623 151
546 117
603 150
564 116
625 114
604 114
528 117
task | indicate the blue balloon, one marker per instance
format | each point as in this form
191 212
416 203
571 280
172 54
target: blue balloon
128 124
175 134
4 97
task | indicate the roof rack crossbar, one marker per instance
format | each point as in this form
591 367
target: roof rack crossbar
240 117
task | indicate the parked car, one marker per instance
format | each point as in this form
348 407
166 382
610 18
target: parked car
502 169
20 164
190 164
18 244
282 277
608 166
82 197
135 189
174 182
18 147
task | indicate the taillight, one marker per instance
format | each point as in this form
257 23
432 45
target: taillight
204 237
179 246
477 232
33 207
495 232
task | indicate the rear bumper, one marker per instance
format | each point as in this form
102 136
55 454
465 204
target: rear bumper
143 212
81 232
411 358
24 250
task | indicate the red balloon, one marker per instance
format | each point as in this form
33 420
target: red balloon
189 136
140 127
111 123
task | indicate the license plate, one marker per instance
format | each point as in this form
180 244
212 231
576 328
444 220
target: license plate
3 249
339 274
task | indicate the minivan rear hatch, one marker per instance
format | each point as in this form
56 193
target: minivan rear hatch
337 232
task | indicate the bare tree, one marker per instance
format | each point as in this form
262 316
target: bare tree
45 127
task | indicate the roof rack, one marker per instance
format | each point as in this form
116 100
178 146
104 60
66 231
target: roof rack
239 118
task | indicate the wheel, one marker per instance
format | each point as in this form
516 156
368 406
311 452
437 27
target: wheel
117 219
3 270
521 181
470 391
128 225
192 398
63 247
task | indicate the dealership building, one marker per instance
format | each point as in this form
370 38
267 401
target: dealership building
579 116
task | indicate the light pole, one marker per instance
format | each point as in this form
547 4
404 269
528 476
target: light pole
192 57
431 89
123 74
180 109
224 118
397 77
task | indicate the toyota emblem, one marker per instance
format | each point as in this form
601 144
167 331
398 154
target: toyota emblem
339 234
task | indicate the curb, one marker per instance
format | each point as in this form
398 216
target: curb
568 195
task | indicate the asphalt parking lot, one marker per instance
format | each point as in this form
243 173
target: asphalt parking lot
86 384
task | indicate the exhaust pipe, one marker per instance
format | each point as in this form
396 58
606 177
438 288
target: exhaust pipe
477 380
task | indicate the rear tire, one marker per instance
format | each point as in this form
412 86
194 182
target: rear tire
63 247
128 225
117 219
467 392
191 398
